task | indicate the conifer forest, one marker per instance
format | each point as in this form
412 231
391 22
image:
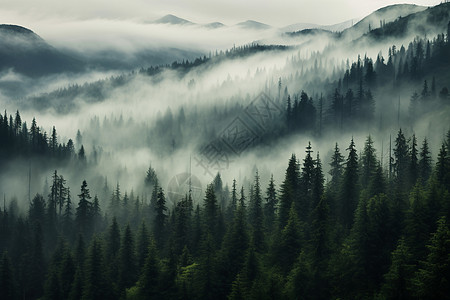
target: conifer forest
154 157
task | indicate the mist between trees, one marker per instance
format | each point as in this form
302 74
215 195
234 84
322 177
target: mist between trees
319 168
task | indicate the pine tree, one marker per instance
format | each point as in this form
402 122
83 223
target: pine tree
368 162
424 162
142 245
401 164
303 203
149 280
127 271
235 244
417 223
95 285
96 216
210 210
151 179
413 165
350 189
290 243
336 168
159 227
398 280
66 273
82 217
113 246
377 183
256 218
270 206
317 183
434 275
289 190
443 166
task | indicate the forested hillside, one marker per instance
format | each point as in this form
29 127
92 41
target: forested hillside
284 165
369 232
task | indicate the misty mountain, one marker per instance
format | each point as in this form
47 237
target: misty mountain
314 32
214 25
381 16
335 27
25 52
253 25
173 20
428 22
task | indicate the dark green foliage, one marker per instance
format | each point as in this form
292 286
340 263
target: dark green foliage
433 277
149 280
83 214
159 227
350 188
368 162
348 246
290 242
289 191
270 205
7 284
398 280
95 285
424 162
127 271
256 217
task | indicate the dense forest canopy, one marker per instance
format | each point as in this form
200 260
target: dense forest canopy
312 164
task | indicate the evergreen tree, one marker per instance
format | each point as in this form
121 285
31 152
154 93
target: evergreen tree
82 217
7 283
368 162
159 228
113 246
306 182
290 243
350 189
210 210
417 223
443 166
289 190
149 280
270 206
398 281
127 271
424 162
413 165
95 284
256 217
434 275
142 245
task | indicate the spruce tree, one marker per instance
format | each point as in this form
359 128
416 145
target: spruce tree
270 206
256 218
82 217
159 228
350 189
289 191
95 283
398 280
127 271
424 162
434 275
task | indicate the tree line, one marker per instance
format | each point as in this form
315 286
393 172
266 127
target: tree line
369 232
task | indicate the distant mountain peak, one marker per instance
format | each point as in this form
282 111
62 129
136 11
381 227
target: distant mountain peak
252 24
19 33
214 25
9 28
172 19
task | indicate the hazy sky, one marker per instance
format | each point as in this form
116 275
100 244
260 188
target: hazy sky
278 13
